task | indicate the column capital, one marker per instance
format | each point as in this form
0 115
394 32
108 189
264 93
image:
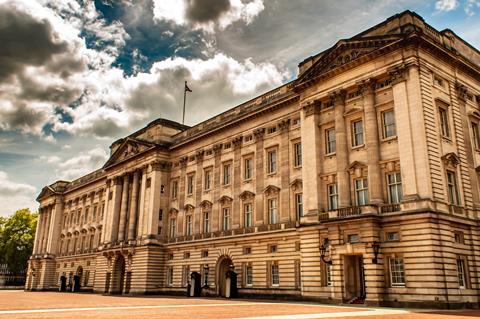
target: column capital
199 155
399 73
284 125
461 91
338 96
259 133
160 165
217 149
237 141
367 86
310 107
183 161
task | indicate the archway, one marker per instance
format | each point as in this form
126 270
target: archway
118 275
224 265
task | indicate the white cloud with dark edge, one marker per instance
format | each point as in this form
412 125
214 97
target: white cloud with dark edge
446 5
82 164
14 195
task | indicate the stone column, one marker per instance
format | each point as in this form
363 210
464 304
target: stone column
141 204
215 213
237 181
132 223
46 229
123 209
55 226
197 212
115 200
341 140
375 180
284 169
259 176
38 232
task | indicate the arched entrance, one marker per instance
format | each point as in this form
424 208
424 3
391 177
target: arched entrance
118 275
224 268
77 279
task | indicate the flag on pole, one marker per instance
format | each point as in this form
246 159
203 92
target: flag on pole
187 89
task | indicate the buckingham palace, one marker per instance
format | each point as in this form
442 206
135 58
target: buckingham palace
357 182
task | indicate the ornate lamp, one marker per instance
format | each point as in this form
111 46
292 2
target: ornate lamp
376 250
323 250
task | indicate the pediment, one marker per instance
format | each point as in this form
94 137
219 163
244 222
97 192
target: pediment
130 147
345 52
206 204
46 191
271 190
246 195
188 208
224 200
451 159
296 184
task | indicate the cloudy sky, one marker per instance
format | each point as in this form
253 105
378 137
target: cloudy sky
77 74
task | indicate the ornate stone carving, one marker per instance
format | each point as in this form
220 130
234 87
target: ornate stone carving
358 169
161 166
367 87
398 73
338 97
183 161
199 155
189 208
284 125
259 133
271 190
245 195
217 149
225 200
237 141
311 107
461 91
451 159
296 184
206 204
173 212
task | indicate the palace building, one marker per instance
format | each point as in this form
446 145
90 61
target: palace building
356 182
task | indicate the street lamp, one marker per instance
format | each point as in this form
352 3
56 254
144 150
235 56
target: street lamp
376 250
323 250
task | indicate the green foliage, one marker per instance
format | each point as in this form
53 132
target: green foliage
17 235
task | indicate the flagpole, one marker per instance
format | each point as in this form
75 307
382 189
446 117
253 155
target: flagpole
184 99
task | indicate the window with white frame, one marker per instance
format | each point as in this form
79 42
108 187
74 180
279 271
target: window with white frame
332 197
330 141
361 191
248 214
388 121
189 226
444 125
274 274
227 174
248 168
357 133
173 227
452 188
207 184
206 222
462 282
226 218
190 184
272 210
299 205
394 184
271 161
397 272
328 270
205 273
297 154
475 136
248 275
170 276
186 275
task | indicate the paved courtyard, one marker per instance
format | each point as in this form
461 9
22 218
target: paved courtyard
19 304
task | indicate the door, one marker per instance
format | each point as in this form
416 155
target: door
354 277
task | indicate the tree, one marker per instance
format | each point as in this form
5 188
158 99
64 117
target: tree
17 235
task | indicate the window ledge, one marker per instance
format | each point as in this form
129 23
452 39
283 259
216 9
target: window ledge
330 155
447 139
389 139
271 174
358 147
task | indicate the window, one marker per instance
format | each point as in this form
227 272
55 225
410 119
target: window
461 273
173 228
332 197
94 215
272 162
205 272
272 249
249 275
170 276
330 144
361 191
272 211
388 119
248 214
296 121
394 183
274 275
204 253
186 255
248 138
189 184
208 180
393 236
226 218
162 189
272 130
458 237
444 127
475 136
226 174
247 250
299 205
189 226
227 145
186 275
353 238
170 256
297 153
397 272
357 133
452 188
248 169
328 271
206 222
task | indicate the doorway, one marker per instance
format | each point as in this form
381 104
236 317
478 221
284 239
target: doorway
354 277
118 275
224 265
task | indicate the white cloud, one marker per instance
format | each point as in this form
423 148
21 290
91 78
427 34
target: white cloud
80 165
180 12
49 159
446 5
471 6
15 195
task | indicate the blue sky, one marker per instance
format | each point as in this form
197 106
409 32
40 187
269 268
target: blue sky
76 75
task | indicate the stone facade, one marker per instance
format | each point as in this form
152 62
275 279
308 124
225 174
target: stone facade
359 180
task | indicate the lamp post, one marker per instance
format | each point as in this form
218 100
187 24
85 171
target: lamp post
376 250
323 250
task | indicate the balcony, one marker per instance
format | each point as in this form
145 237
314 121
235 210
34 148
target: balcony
353 211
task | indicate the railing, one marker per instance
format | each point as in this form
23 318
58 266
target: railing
389 208
349 211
